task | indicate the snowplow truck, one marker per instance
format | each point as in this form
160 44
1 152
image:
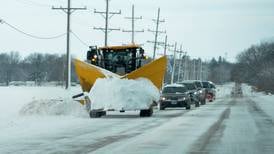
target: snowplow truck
125 62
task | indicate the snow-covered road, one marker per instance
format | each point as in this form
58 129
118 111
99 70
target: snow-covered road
228 125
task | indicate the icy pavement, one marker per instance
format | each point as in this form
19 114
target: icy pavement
228 125
248 128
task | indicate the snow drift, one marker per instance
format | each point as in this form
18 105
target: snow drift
118 94
53 107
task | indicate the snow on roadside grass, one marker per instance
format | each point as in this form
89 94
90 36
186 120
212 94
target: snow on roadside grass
224 91
53 107
115 93
14 99
265 102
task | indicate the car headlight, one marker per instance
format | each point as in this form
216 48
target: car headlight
184 98
195 93
163 98
200 91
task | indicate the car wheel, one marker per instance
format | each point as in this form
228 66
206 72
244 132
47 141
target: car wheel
146 113
197 104
203 102
188 107
162 108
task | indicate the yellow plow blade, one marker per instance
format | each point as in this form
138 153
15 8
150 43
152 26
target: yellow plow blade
87 74
154 71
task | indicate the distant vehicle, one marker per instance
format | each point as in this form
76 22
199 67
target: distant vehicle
192 89
200 90
210 90
175 95
237 90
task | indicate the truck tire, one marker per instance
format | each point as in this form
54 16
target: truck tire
96 114
146 113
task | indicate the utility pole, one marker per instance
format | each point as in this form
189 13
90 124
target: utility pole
180 62
107 15
194 69
158 21
185 67
133 31
174 63
201 69
68 10
166 45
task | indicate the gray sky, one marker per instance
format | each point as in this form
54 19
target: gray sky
205 28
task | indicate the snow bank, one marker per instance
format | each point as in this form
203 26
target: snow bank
115 93
224 91
53 107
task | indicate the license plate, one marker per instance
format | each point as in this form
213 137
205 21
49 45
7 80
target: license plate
173 102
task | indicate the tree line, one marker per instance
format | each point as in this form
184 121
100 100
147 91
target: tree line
255 66
219 70
36 67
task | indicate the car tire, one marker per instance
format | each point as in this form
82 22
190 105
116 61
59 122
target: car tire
146 113
162 108
197 104
203 102
188 107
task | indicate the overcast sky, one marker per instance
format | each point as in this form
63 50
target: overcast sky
205 28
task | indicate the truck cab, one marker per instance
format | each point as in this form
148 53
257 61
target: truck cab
117 59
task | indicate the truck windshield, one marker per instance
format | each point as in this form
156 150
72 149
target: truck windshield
174 90
118 57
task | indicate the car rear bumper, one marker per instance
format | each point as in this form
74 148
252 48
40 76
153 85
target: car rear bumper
174 103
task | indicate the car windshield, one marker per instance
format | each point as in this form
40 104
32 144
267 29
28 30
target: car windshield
212 86
174 90
190 86
206 85
198 84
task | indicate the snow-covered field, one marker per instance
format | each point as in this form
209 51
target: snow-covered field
65 127
265 102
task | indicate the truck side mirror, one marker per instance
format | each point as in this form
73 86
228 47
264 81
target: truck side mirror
89 55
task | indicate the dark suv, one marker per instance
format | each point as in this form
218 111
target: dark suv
192 89
175 95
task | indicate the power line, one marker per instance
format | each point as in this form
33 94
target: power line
133 31
79 39
106 14
33 3
31 35
68 10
